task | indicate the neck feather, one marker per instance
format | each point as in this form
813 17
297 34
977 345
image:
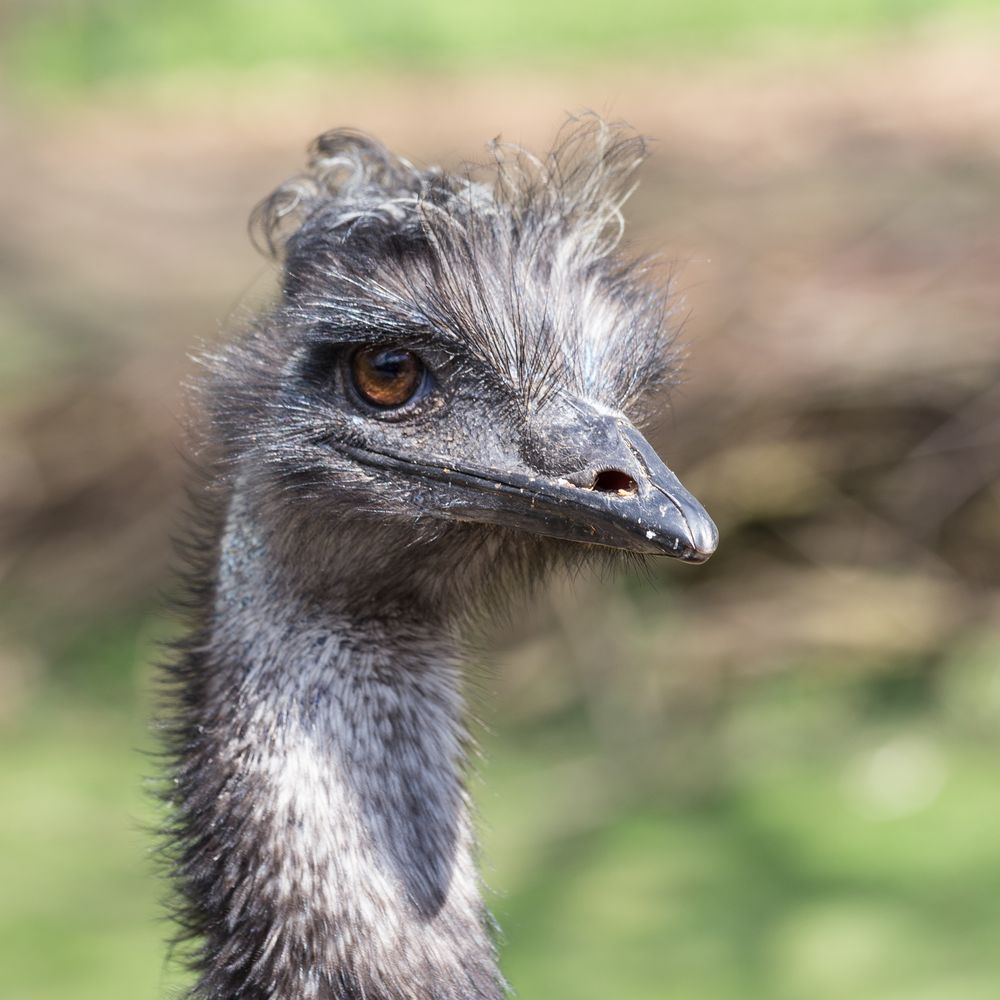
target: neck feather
322 834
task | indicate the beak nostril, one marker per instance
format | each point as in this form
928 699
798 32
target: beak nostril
614 481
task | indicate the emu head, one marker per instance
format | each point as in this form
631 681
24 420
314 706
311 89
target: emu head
461 355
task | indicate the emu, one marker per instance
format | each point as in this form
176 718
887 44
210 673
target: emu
439 407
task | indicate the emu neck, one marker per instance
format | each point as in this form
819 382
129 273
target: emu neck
329 845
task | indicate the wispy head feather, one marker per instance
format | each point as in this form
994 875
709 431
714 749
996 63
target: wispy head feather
516 261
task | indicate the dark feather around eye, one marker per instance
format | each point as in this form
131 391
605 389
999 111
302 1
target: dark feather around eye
319 366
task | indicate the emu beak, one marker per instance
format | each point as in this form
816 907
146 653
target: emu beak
620 493
625 498
648 510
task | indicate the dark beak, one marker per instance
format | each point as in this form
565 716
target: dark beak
638 504
616 492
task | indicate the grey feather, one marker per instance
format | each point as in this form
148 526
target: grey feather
320 836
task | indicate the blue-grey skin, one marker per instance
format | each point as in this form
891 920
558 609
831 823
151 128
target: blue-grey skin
320 836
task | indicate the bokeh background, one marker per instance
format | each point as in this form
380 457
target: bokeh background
774 776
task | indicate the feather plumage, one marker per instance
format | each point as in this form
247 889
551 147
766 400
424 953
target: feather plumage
319 837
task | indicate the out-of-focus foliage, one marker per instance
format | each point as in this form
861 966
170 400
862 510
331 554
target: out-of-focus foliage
72 42
772 776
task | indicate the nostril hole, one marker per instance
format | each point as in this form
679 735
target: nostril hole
614 481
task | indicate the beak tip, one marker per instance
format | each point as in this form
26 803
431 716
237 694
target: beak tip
692 543
704 538
693 540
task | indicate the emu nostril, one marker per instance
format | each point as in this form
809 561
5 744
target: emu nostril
614 481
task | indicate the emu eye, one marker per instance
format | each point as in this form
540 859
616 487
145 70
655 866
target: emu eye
387 376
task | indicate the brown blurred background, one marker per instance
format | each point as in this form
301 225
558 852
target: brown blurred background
774 776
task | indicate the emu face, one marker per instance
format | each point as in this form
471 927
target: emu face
406 417
464 350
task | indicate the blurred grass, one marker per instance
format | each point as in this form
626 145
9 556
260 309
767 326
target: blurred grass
80 907
852 857
64 45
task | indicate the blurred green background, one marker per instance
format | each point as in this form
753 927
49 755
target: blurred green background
774 776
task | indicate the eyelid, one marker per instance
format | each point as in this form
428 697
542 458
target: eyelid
423 339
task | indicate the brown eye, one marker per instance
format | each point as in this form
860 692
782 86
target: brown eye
387 376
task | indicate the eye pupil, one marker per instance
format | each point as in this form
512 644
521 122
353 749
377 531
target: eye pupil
386 376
